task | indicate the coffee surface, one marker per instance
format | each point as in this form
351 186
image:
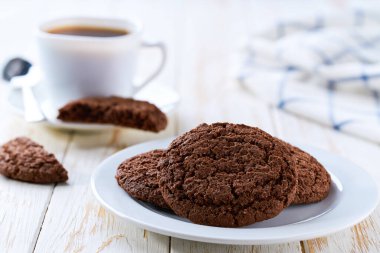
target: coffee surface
89 31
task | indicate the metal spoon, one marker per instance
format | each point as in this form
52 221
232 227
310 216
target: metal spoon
21 74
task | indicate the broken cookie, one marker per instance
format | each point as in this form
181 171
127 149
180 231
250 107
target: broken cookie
23 159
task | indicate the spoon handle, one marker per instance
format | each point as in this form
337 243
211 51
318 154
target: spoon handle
32 110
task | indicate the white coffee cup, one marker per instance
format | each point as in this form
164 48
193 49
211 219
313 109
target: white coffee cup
78 66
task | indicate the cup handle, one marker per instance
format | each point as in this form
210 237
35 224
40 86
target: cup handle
161 46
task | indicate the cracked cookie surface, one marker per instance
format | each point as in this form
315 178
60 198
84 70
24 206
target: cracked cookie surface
313 180
227 175
126 112
138 177
25 160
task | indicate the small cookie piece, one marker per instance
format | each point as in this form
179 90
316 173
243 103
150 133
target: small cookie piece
23 159
227 175
313 180
138 177
114 110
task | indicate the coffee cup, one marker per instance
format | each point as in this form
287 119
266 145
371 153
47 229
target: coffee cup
84 56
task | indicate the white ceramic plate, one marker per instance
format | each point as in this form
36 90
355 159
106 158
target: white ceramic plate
353 197
164 98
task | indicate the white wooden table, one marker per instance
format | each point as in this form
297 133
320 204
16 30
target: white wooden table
205 40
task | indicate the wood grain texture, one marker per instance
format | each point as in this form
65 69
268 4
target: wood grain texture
213 32
86 226
178 246
363 237
75 221
23 205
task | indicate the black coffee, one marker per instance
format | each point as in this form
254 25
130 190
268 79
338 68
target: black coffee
91 31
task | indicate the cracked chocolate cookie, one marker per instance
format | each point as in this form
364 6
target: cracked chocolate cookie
313 180
114 110
227 175
23 159
138 177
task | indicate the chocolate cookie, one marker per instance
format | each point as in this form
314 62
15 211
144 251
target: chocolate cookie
118 111
23 159
138 177
227 175
313 180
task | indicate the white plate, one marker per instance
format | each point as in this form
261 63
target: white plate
164 98
353 197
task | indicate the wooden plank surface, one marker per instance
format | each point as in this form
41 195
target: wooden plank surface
205 40
75 221
213 93
363 237
23 205
85 225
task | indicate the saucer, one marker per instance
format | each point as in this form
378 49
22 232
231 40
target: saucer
353 196
163 97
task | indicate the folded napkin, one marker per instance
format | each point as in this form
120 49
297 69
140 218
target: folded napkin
324 68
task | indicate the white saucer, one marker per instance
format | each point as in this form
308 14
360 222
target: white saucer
164 98
353 196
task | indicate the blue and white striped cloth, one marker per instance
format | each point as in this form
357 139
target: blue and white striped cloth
326 68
